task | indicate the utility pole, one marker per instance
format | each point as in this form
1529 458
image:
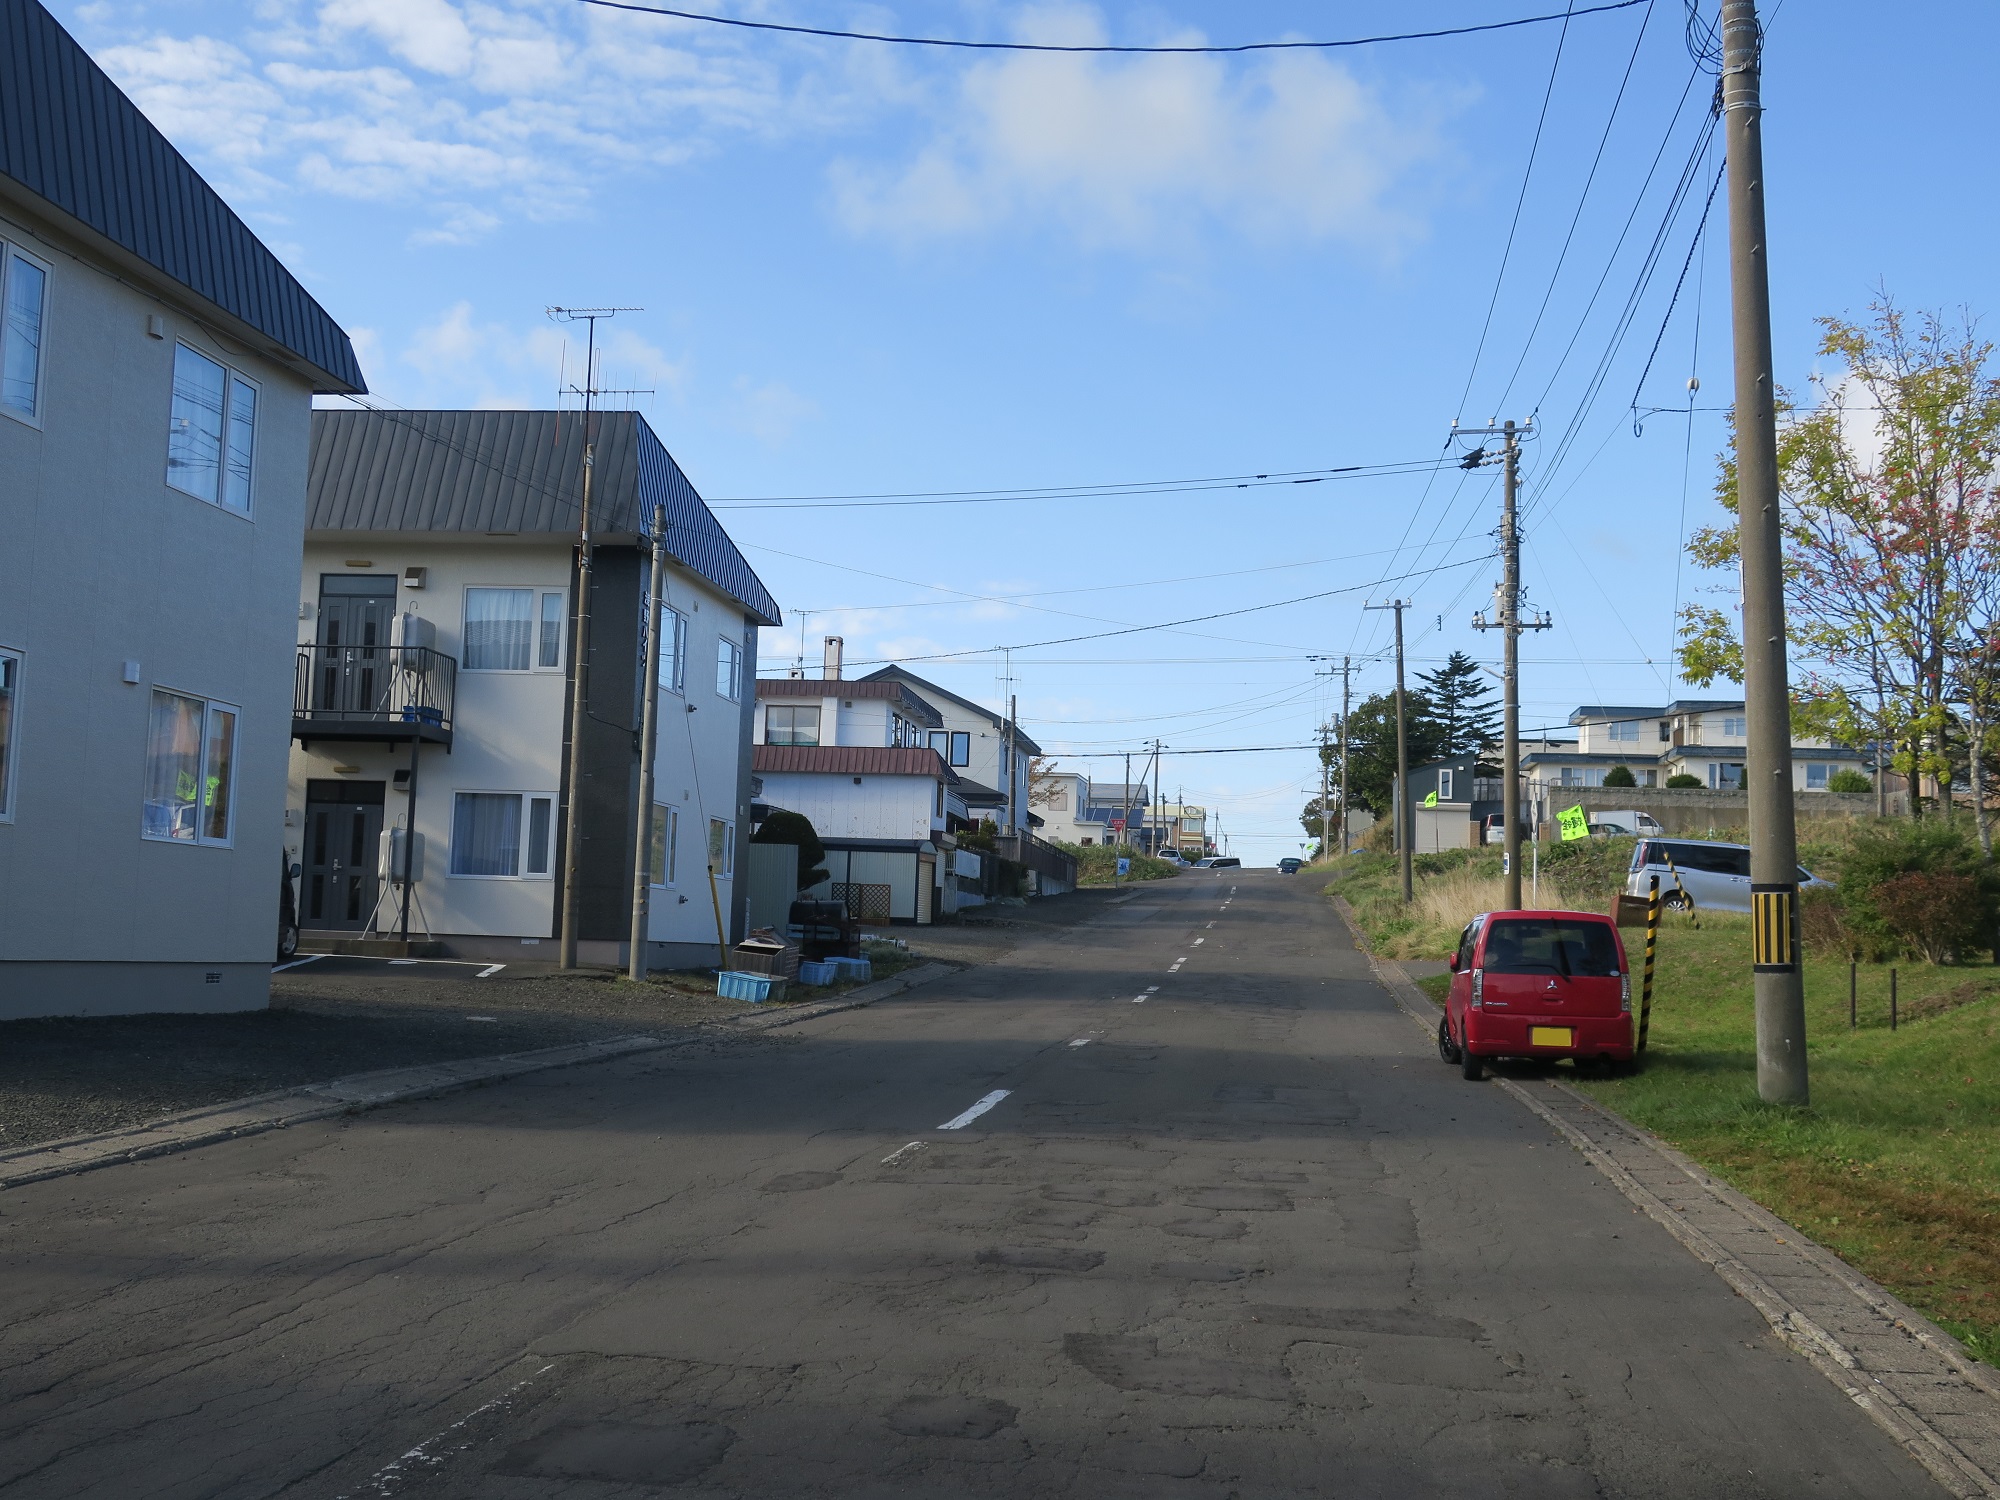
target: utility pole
1323 794
1507 605
1404 818
580 633
649 738
1774 867
1125 823
1013 813
1346 666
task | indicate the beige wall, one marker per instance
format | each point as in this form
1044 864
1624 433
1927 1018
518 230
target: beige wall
103 563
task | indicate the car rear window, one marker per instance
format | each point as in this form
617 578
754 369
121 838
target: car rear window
1550 945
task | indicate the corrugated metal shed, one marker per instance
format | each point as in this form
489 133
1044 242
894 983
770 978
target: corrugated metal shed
70 136
852 760
517 472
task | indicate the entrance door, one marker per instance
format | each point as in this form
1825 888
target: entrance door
343 836
355 613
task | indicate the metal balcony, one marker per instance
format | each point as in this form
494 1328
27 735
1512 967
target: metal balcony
384 694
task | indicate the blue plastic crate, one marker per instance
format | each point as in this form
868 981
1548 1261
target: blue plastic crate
858 969
817 973
734 984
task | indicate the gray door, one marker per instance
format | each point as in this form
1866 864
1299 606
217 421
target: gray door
343 835
351 670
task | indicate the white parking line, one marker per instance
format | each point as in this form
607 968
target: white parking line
1082 1041
489 971
959 1122
310 958
1199 941
900 1152
1152 989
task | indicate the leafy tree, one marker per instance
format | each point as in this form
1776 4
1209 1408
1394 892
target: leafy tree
1371 747
1620 776
1891 526
1681 781
1461 701
1309 817
783 827
1847 779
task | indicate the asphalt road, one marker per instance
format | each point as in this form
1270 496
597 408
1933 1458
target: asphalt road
1231 1230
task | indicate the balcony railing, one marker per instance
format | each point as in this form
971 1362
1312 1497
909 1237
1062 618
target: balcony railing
373 693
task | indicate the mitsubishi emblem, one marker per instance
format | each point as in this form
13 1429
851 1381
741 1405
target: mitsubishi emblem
1552 984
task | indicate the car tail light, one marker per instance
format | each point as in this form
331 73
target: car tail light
1478 987
1625 993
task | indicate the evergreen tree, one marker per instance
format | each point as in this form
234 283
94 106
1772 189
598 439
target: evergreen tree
1371 747
1462 706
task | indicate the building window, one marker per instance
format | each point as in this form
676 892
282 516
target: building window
728 670
721 848
1735 728
212 436
549 640
674 650
791 725
10 697
499 626
1624 729
24 288
1444 786
1722 776
954 746
190 769
1816 773
1666 731
666 828
502 835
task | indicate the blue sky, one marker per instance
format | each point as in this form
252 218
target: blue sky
870 270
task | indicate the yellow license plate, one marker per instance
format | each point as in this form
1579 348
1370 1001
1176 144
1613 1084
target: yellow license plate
1551 1036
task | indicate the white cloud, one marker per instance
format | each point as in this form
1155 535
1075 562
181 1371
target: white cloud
771 411
1126 151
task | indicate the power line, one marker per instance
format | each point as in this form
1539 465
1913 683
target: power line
1108 492
1170 50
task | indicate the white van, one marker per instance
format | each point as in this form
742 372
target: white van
1713 877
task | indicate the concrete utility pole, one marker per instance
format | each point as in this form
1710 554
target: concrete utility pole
1404 818
580 633
1507 605
1324 791
1125 824
649 739
1774 866
1346 666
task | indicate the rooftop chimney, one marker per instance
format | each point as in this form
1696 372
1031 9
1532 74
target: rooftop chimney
831 669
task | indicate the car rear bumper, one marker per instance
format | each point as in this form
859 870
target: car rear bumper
1489 1034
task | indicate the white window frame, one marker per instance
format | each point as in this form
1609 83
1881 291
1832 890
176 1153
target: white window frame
232 378
816 710
211 707
1622 730
727 869
729 656
527 801
1822 770
535 595
9 253
535 662
1444 786
10 746
1734 725
668 817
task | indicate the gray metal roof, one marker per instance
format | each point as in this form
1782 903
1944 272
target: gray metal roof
516 472
70 137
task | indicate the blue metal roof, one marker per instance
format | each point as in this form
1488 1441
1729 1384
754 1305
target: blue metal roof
70 137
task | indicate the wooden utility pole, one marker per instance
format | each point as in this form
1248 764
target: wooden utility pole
1405 820
1774 866
1507 606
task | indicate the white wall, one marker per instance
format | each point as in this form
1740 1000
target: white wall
103 563
881 807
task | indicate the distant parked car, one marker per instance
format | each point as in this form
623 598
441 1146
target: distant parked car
1493 829
1290 866
1171 856
1712 876
1641 825
1221 862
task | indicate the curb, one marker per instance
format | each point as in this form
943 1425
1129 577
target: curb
236 1118
1908 1374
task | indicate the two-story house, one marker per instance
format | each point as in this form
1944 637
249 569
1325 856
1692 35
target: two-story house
1118 811
437 614
855 759
1705 738
1061 799
991 756
157 369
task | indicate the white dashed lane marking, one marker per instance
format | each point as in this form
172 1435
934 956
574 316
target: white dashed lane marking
960 1121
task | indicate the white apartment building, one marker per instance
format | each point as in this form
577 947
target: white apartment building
1701 737
437 625
157 369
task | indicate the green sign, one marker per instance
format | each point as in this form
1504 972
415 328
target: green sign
1574 823
1431 800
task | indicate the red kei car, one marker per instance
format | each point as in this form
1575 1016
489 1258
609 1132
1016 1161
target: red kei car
1537 984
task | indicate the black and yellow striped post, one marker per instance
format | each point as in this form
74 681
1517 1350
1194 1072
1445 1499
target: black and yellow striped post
1687 901
1652 943
1774 928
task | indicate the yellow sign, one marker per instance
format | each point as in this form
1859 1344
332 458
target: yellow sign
1574 822
1431 800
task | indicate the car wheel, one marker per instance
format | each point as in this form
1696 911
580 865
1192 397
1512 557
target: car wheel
288 944
1447 1048
1678 901
1470 1065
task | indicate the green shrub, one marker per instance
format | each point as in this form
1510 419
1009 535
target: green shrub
1938 916
1823 923
1439 861
1847 779
1588 872
1620 776
1885 917
1681 781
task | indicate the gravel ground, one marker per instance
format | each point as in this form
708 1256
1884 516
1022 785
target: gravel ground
80 1075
